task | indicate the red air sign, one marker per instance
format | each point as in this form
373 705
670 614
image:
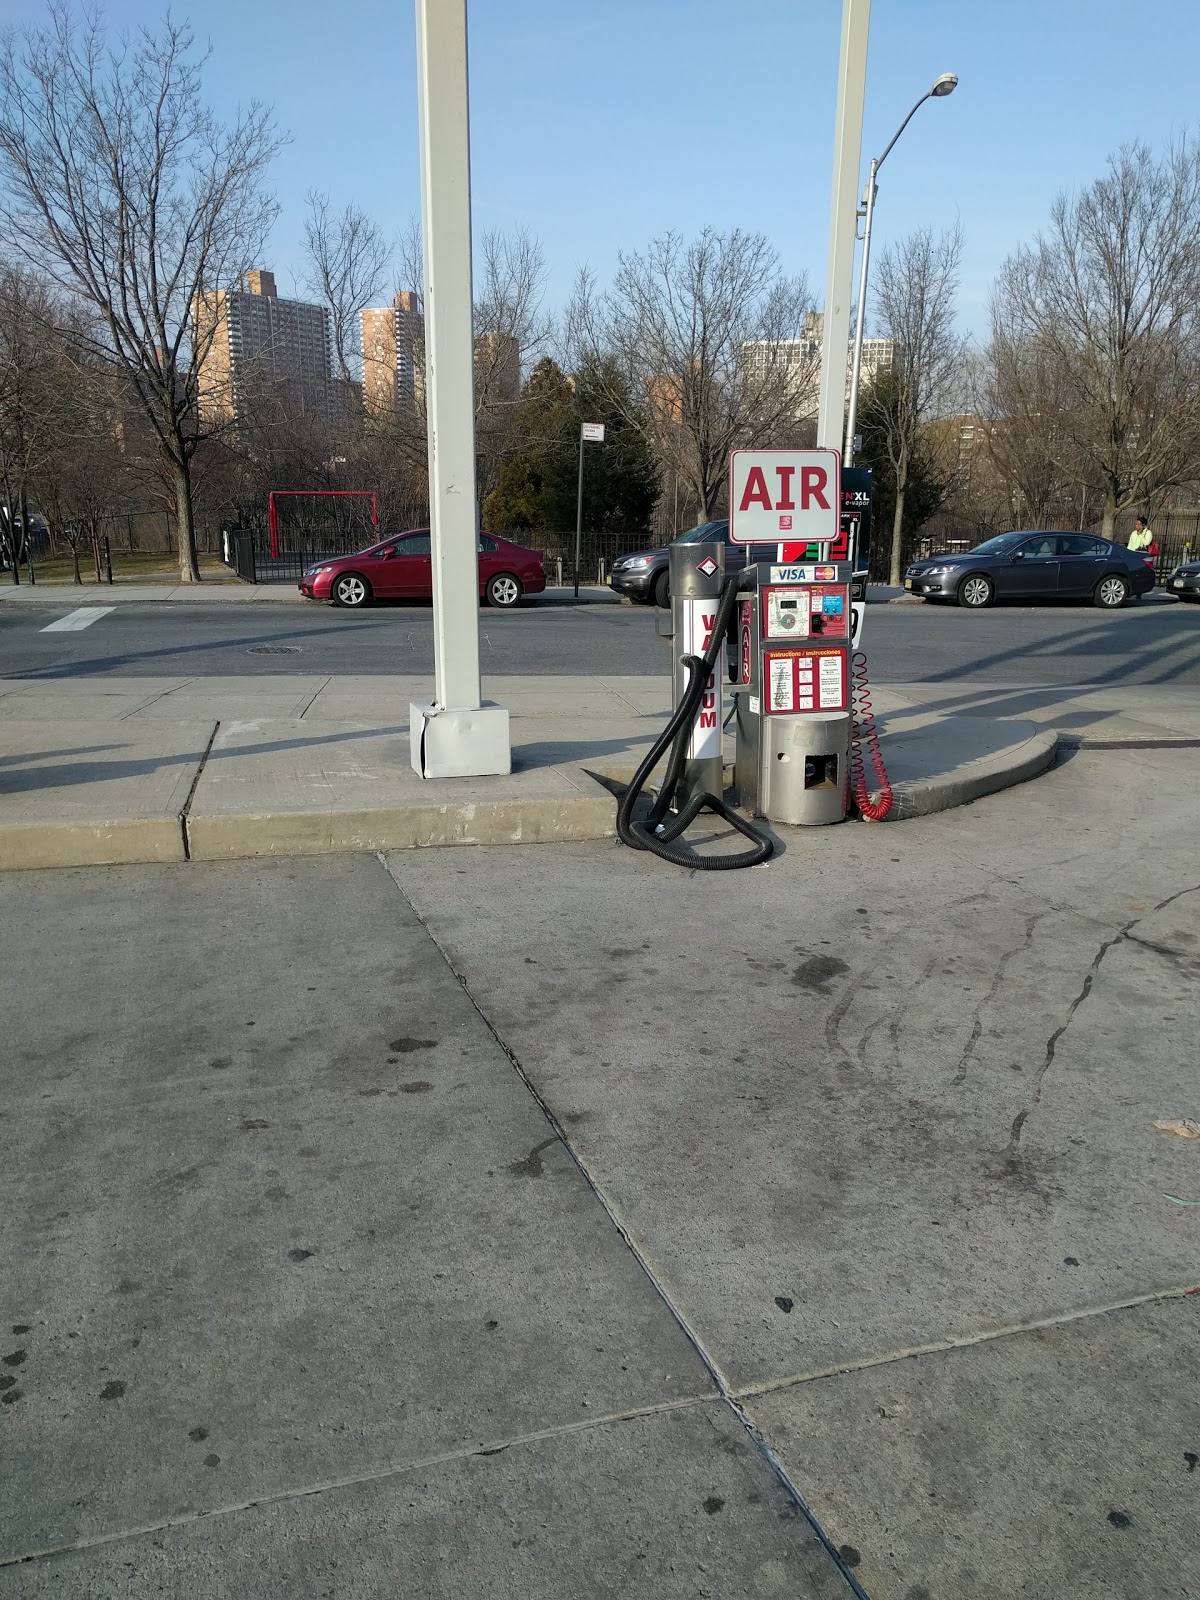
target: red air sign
784 496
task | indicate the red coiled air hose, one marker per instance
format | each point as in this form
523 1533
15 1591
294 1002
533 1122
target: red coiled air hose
864 748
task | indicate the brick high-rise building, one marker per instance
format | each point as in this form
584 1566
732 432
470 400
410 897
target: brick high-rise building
393 343
263 347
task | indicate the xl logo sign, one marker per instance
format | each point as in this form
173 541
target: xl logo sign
784 495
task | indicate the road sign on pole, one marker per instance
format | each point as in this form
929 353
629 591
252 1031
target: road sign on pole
784 496
589 433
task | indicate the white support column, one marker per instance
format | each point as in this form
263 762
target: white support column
456 736
843 217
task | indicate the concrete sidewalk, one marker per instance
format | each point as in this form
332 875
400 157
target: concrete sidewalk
306 1296
231 591
554 1225
110 770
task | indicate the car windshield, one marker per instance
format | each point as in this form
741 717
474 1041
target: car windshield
706 532
1002 541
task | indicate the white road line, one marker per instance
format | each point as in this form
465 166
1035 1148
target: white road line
75 620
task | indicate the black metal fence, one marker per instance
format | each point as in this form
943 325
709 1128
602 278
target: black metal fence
1177 533
597 551
248 553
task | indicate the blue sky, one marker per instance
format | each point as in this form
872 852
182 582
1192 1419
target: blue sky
598 125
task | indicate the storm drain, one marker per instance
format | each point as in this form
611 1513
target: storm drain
274 650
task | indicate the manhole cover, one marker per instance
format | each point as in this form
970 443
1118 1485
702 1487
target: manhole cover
273 650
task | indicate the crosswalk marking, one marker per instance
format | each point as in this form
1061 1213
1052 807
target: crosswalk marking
75 620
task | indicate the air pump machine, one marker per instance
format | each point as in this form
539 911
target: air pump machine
786 628
792 691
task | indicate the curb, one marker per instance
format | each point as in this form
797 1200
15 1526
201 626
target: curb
545 821
974 779
61 842
539 819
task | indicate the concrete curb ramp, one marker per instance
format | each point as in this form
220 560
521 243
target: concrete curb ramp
973 779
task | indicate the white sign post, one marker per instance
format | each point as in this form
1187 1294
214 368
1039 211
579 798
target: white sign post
784 496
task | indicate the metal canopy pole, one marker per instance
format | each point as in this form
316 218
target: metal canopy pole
456 736
843 221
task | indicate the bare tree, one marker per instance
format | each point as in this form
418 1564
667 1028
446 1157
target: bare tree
407 255
1024 400
1096 329
30 399
916 282
121 185
708 342
347 263
511 332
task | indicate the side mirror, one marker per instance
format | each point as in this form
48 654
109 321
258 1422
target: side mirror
1018 555
389 555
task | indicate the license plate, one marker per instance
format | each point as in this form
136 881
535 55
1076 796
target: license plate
908 583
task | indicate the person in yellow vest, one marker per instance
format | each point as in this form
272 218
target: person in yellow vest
1141 538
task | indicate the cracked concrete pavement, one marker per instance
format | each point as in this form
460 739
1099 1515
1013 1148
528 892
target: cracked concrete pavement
556 1222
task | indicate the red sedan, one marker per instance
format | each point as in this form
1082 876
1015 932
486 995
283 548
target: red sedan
402 568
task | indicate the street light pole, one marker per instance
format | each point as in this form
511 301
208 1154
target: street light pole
942 86
856 359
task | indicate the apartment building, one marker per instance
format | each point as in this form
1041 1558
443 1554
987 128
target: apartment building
263 348
800 361
393 343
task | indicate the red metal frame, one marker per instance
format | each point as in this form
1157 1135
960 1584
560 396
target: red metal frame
315 494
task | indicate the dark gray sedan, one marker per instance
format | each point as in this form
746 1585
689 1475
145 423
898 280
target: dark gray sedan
1032 566
1184 582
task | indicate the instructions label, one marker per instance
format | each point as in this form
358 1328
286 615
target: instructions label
811 679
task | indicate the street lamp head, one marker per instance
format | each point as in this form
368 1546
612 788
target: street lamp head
944 84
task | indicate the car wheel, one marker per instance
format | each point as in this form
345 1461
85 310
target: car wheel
503 591
349 589
976 591
662 590
1112 591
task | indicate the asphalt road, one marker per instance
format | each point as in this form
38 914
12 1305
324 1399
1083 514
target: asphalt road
1155 641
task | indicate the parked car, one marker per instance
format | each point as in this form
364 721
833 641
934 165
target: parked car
402 566
646 574
1184 582
1026 566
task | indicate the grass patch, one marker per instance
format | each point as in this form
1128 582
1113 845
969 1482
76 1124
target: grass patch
125 569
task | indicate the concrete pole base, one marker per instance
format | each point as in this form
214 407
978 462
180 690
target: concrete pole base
445 743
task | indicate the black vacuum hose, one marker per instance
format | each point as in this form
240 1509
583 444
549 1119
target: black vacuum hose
655 835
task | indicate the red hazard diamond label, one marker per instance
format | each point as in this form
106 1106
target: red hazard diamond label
708 566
